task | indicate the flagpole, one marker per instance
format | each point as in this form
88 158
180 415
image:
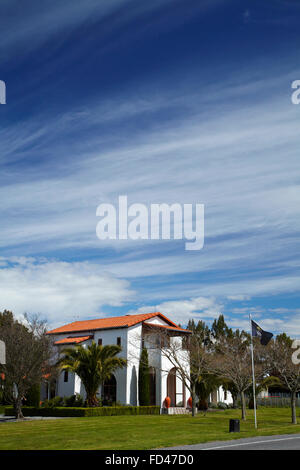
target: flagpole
253 374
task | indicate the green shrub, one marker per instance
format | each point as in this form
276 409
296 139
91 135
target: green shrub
116 403
74 401
212 405
221 405
122 410
53 402
88 412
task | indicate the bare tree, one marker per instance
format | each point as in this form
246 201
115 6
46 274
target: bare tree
232 362
186 352
280 354
28 351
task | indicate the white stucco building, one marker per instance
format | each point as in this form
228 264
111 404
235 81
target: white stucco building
132 333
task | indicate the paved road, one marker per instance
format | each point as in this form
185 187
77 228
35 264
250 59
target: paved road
282 442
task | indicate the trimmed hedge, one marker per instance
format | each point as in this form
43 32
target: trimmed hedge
80 412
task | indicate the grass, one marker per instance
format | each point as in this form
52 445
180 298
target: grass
139 432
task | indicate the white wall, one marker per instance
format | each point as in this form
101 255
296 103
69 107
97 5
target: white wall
127 378
110 336
133 358
156 320
167 365
221 396
65 389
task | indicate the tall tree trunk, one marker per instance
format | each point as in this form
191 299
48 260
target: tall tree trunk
243 406
18 407
91 398
234 401
293 406
193 399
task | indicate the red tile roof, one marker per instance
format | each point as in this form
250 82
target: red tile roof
110 322
74 340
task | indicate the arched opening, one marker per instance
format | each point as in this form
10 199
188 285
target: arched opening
152 384
110 391
175 388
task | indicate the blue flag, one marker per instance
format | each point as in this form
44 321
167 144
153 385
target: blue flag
264 336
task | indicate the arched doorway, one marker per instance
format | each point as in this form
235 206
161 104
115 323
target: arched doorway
110 391
175 389
152 384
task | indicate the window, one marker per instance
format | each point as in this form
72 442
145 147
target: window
66 376
100 342
119 341
225 394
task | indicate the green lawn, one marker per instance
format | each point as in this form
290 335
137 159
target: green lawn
139 432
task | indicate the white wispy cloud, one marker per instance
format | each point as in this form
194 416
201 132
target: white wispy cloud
40 23
255 186
238 297
180 311
268 319
233 146
229 161
59 291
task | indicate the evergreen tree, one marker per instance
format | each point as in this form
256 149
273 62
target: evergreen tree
283 338
220 329
144 379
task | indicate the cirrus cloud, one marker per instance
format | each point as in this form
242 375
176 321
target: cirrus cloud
180 311
58 290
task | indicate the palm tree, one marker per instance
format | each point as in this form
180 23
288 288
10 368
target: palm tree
93 365
205 385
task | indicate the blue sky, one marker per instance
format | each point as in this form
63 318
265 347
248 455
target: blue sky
164 101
